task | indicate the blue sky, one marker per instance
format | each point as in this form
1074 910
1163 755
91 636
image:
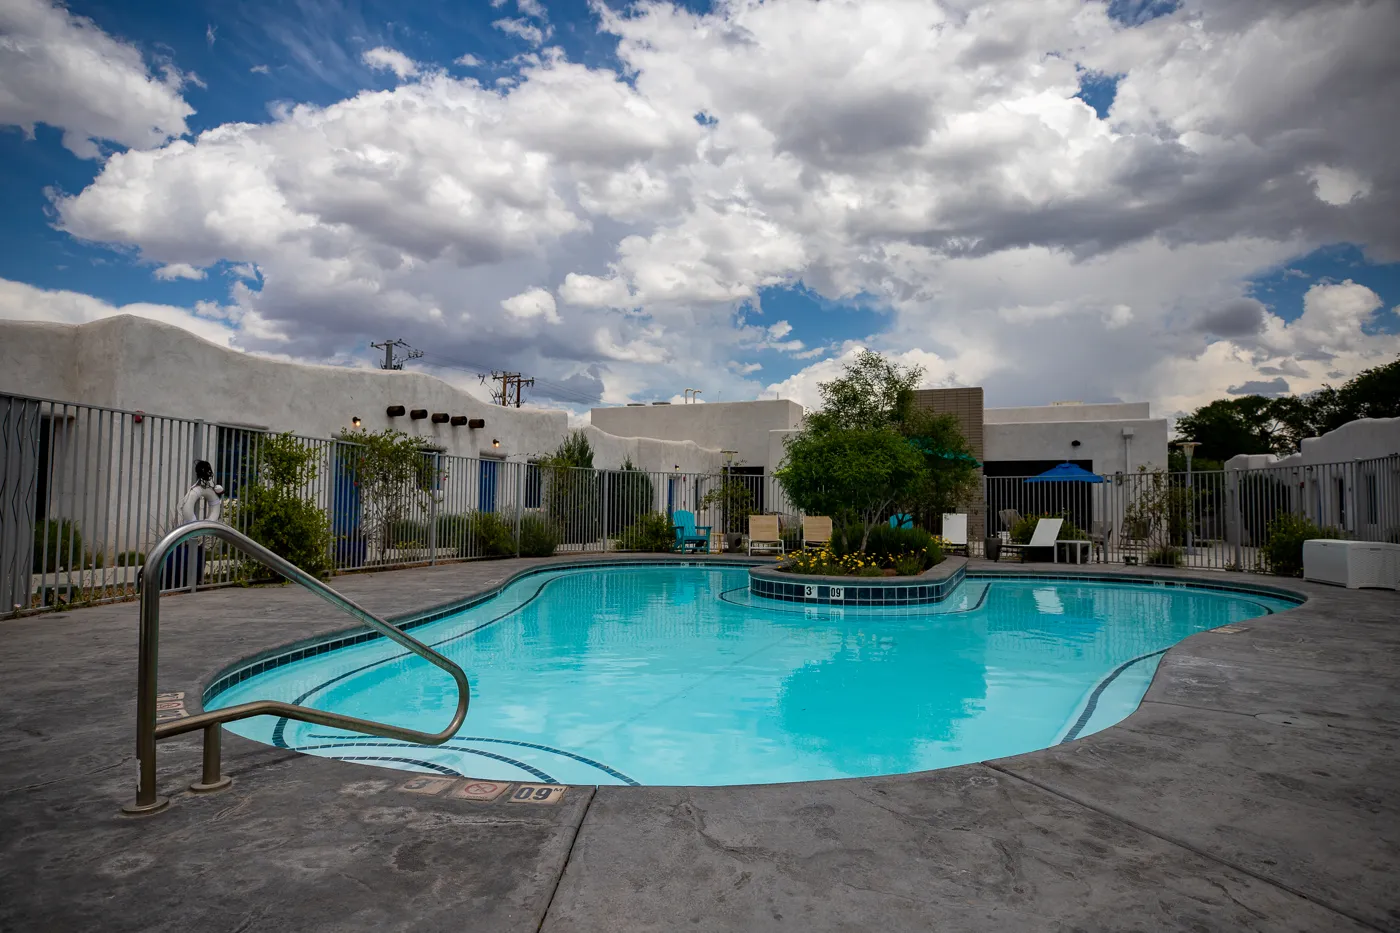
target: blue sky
970 268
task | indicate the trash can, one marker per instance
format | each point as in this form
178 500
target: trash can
993 547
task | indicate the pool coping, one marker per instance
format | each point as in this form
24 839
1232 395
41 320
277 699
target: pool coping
289 653
932 586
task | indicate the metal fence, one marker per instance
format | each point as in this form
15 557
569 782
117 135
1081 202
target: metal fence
1216 519
85 491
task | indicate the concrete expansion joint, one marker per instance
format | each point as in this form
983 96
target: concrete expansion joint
568 857
1183 844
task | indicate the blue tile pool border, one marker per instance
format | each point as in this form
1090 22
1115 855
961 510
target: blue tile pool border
950 577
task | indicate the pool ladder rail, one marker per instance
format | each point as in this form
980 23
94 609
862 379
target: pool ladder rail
148 732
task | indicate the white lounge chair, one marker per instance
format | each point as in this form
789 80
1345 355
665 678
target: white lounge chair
764 534
1047 532
955 530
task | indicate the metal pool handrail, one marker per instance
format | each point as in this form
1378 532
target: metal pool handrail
148 733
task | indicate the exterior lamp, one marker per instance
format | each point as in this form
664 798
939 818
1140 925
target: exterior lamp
355 422
495 443
1190 448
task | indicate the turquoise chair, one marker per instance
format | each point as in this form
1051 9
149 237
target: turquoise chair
688 535
902 520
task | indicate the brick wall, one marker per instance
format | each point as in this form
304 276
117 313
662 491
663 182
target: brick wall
966 405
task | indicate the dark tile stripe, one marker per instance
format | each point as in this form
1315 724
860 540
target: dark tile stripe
528 769
1103 685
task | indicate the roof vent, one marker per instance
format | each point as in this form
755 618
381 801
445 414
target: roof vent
661 403
636 404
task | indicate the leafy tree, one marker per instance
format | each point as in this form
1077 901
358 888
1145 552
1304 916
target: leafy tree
950 469
1250 424
630 494
864 471
274 511
872 392
1371 393
395 477
572 498
735 501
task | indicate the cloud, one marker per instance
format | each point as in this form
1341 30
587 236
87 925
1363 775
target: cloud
535 303
1271 388
1240 317
930 161
63 70
21 302
524 29
1338 186
468 61
779 330
178 270
386 59
260 70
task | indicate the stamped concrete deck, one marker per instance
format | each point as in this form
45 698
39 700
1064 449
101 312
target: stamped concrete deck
1257 788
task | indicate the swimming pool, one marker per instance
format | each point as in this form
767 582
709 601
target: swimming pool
676 675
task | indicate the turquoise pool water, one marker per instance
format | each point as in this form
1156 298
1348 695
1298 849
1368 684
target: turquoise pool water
675 675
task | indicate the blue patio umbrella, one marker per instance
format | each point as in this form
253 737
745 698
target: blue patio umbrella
1066 473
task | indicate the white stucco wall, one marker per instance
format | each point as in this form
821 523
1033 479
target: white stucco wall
1108 411
740 426
138 364
1363 439
1099 441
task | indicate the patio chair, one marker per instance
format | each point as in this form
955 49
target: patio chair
1047 532
901 520
764 534
816 529
1010 518
1101 536
688 535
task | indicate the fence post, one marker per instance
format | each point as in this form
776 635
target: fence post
433 493
605 476
519 504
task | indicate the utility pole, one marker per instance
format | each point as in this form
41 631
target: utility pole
508 382
396 362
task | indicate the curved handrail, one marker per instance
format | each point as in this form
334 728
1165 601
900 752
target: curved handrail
147 732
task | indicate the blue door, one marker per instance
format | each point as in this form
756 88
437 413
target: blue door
345 510
486 491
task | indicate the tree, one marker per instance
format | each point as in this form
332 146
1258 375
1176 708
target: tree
1250 424
395 478
276 514
571 499
630 494
950 470
1371 393
872 392
865 471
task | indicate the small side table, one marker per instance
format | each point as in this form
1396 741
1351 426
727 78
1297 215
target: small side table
1078 548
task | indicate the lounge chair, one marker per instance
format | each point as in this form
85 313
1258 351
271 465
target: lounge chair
1101 535
764 534
816 529
1047 532
955 531
901 520
688 535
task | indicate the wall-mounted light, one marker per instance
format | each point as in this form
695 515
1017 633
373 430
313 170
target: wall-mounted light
440 417
394 411
495 443
1074 443
355 422
418 414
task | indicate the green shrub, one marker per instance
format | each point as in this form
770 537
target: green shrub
454 530
1023 530
652 531
792 538
1166 556
131 558
909 564
493 535
1283 550
884 541
538 538
58 545
409 533
274 514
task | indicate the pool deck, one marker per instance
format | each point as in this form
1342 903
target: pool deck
1256 788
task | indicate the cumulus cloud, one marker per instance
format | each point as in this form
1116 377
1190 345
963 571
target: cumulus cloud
1273 387
21 302
524 29
931 160
65 71
178 270
381 58
535 303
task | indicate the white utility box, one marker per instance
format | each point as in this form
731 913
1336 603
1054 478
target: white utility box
1352 564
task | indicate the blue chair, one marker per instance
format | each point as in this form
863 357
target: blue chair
688 535
901 520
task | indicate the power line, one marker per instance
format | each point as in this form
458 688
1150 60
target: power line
552 389
508 380
396 362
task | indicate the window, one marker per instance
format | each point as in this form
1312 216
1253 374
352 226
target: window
534 486
1341 502
1373 511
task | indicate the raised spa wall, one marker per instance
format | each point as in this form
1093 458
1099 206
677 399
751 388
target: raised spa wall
932 586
